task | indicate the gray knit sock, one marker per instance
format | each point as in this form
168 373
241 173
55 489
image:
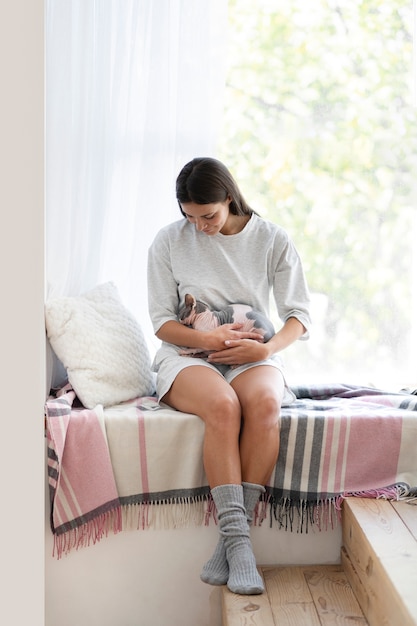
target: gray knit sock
243 577
251 494
216 570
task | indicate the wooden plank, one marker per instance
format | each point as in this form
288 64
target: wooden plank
361 592
333 597
238 610
384 554
408 513
289 596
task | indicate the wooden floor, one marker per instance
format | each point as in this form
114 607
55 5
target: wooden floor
310 595
375 584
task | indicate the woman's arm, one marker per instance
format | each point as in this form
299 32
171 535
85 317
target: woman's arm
292 330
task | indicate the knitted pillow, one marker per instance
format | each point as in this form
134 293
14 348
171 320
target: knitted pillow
101 345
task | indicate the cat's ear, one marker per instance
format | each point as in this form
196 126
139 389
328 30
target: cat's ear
189 300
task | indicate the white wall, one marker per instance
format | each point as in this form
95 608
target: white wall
22 326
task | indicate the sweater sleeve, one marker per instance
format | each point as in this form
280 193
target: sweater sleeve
162 287
290 288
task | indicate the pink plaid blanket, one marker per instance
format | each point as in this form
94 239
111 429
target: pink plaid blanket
139 464
84 499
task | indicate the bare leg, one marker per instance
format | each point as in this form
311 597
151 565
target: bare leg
205 393
260 391
256 394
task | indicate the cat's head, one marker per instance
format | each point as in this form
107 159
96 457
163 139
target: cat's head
190 309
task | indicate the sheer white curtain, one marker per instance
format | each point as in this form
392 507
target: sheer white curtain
133 91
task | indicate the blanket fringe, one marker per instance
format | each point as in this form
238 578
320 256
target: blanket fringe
294 516
299 516
291 516
89 533
393 492
172 513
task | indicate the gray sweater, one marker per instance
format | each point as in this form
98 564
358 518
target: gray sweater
225 269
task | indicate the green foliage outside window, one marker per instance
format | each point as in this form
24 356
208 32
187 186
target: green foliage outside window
320 130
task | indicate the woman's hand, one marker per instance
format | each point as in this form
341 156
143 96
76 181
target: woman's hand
226 334
239 352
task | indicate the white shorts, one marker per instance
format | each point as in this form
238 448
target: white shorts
168 364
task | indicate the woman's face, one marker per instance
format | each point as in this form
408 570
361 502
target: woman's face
208 218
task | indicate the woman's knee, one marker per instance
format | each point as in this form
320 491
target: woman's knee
265 412
260 391
223 413
271 405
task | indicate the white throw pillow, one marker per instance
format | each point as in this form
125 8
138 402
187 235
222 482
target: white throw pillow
102 346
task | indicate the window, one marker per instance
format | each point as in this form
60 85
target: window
320 130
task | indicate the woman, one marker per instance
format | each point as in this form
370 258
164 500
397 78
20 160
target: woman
223 252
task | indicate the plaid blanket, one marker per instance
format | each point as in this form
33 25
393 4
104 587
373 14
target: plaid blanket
139 464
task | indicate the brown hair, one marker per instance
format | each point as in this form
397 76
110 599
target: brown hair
205 180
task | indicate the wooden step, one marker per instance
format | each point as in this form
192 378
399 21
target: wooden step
379 556
376 583
311 595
